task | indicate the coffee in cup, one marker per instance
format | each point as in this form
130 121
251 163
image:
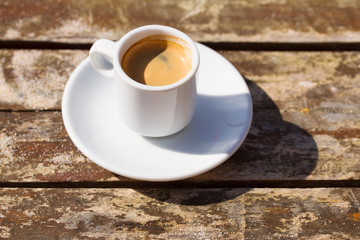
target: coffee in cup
153 69
157 60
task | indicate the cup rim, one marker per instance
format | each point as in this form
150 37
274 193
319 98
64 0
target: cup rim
150 30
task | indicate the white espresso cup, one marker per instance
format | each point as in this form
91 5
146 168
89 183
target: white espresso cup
152 111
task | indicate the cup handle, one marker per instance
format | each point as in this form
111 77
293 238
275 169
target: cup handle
101 56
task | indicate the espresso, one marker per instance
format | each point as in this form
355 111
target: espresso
157 61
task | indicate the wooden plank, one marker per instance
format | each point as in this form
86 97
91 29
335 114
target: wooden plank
35 148
33 79
212 20
298 80
179 213
289 81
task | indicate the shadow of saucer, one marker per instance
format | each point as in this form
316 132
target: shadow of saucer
193 196
274 150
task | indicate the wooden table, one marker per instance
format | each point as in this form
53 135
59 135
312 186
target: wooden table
297 175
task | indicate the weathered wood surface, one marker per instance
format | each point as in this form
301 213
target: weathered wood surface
306 127
35 148
290 81
35 79
212 20
278 213
305 124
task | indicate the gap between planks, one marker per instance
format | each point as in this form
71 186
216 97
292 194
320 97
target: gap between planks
30 110
240 46
190 184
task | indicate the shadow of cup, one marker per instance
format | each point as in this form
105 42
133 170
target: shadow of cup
274 150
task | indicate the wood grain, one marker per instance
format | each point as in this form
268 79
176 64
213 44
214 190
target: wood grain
35 79
305 124
305 130
277 213
79 21
35 148
289 81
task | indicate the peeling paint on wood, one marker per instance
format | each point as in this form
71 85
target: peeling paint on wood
282 85
213 20
325 83
179 213
34 79
305 126
35 148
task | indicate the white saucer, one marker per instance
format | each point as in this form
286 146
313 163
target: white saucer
221 122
